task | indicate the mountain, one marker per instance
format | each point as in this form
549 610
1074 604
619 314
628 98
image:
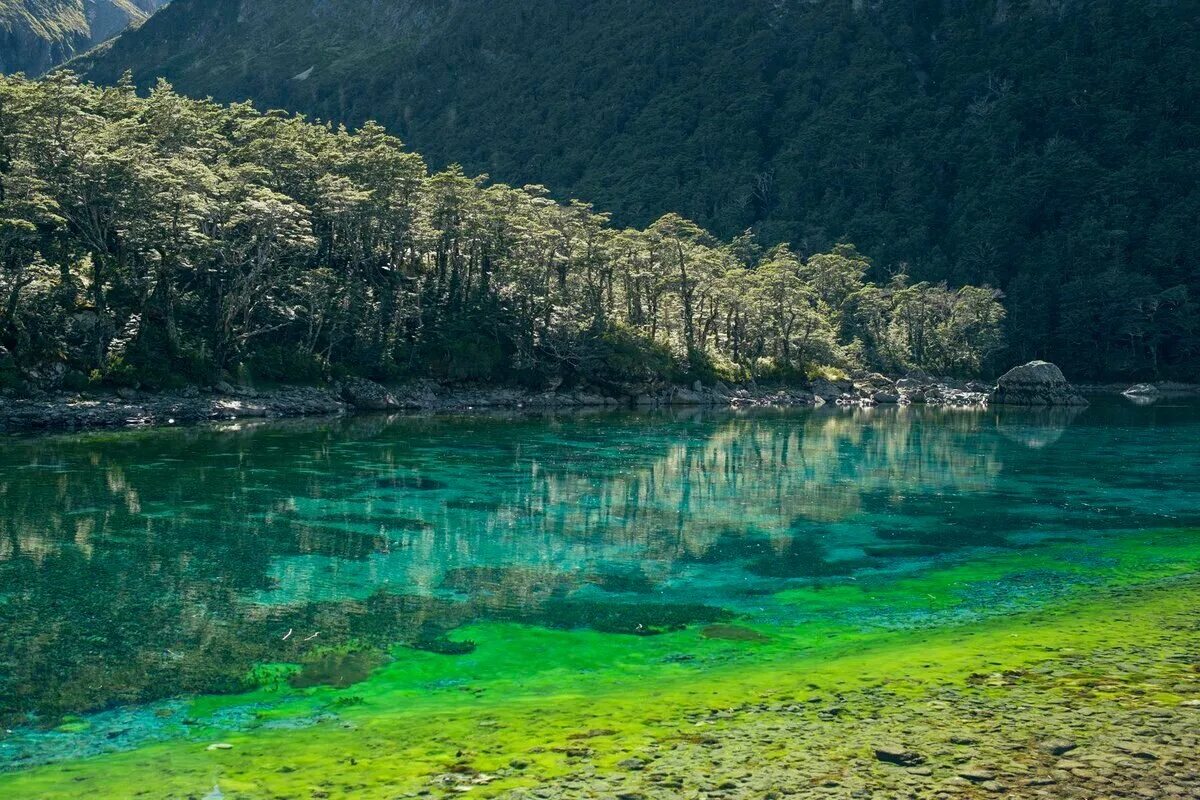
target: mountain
1048 147
36 35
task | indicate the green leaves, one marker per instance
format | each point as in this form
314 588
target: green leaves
140 237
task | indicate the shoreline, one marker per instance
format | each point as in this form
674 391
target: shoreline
110 410
59 412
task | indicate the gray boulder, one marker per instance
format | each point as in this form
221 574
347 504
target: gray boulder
1038 383
687 397
367 395
830 391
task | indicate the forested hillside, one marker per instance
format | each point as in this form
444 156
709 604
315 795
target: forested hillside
1045 146
35 35
158 240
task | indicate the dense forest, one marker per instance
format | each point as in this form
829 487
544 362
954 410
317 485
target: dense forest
1046 147
156 240
36 35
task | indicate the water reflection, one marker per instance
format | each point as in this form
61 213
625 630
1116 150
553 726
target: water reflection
1036 427
138 566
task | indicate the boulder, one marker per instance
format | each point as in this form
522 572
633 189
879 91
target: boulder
687 397
1142 390
1038 383
49 377
829 391
368 395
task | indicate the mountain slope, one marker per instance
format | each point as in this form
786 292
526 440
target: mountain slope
35 35
1046 146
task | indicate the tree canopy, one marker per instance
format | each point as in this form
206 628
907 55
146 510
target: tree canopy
1045 147
156 239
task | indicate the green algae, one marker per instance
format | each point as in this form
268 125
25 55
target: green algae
396 750
601 696
573 591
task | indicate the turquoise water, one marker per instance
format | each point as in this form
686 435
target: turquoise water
139 569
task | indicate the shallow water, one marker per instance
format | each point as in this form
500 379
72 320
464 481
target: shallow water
154 584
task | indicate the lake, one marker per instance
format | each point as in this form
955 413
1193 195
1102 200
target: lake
507 604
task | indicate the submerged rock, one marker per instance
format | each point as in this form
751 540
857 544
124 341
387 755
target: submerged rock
337 669
895 754
732 633
976 774
1058 747
1038 383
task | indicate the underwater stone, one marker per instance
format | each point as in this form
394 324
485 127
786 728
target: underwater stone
1058 747
733 633
976 774
894 754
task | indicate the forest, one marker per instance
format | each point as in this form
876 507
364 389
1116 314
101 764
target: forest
159 240
1044 147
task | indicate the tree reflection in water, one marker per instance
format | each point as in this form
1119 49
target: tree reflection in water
141 565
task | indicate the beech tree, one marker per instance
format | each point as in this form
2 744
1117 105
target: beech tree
158 240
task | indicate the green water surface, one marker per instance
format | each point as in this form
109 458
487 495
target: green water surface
172 588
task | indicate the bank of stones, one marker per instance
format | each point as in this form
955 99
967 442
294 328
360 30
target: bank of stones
1079 726
223 401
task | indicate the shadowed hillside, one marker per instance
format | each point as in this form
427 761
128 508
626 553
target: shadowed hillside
1047 147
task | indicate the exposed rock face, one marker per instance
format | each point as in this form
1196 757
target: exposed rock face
1038 383
37 36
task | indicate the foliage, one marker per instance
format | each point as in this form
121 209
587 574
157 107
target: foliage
159 240
1027 144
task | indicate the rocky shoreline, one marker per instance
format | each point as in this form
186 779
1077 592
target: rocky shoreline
62 411
1087 725
1117 720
